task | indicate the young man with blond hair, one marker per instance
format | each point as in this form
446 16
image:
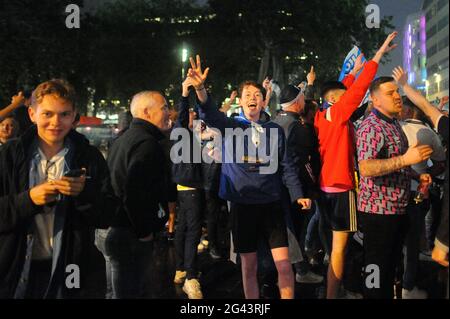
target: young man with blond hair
46 217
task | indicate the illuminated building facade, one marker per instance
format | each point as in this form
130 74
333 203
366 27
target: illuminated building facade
437 51
415 51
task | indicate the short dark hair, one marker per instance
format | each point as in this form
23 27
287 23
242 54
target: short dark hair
58 87
331 86
375 85
420 115
254 84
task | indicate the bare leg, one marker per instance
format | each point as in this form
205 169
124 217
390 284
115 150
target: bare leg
336 266
285 273
249 263
172 206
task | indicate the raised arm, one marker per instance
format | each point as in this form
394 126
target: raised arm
349 102
385 48
227 105
418 99
207 111
269 89
16 101
309 90
197 78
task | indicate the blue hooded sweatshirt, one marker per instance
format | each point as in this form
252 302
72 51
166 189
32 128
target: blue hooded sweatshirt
243 179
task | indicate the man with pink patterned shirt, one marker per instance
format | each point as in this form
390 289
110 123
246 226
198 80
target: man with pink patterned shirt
384 159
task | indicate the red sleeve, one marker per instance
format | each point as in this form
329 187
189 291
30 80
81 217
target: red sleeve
352 98
348 80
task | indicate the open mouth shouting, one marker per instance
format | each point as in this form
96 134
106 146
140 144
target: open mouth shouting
252 106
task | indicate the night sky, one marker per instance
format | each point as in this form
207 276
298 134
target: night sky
399 9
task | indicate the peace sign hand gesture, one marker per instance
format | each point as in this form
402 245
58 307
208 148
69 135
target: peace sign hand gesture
196 74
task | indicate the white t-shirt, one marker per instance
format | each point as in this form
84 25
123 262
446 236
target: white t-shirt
418 133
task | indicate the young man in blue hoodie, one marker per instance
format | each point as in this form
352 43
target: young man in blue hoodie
250 182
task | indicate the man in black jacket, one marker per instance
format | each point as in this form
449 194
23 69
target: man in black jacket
302 148
139 178
45 216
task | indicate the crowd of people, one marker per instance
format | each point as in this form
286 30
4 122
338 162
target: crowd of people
362 182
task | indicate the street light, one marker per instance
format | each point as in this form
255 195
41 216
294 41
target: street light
184 57
438 81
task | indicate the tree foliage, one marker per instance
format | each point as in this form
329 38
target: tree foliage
129 46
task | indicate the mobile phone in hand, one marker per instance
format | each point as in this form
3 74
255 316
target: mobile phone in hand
75 173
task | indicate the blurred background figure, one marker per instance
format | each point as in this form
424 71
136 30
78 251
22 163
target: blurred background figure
8 129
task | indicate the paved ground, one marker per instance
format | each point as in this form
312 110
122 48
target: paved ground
221 279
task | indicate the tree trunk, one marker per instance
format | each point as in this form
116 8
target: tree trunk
278 68
264 66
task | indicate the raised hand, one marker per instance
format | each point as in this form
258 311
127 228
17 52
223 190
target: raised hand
187 83
266 84
196 74
233 95
18 99
400 76
359 64
311 76
386 47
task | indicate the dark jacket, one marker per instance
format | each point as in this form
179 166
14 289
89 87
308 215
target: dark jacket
139 178
303 149
442 232
187 173
92 208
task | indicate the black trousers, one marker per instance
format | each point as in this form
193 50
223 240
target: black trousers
189 230
383 241
214 218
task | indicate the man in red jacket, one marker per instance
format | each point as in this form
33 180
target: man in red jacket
336 148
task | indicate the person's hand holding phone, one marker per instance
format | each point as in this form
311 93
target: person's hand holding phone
44 193
72 183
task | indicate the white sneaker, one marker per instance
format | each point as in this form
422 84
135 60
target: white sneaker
308 278
192 289
415 293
